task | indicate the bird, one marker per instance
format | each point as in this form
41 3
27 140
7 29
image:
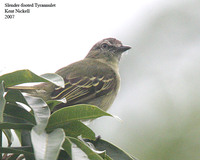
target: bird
94 80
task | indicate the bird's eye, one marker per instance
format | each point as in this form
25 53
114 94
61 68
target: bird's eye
104 46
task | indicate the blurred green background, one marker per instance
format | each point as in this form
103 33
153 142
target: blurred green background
159 100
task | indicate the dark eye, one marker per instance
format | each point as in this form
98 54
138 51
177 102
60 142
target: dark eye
105 46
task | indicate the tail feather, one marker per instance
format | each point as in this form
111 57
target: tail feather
24 89
36 91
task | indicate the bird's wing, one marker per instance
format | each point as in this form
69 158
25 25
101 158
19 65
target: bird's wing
80 89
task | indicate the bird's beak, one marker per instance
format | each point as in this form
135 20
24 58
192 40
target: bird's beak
123 48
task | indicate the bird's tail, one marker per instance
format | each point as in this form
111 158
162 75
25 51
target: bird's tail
22 87
26 89
35 90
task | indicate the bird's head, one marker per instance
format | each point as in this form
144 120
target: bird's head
108 50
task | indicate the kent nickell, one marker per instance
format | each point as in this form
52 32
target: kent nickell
17 10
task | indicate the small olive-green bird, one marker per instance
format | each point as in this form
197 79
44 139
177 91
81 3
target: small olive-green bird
94 80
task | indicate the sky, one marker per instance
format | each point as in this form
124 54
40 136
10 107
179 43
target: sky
47 39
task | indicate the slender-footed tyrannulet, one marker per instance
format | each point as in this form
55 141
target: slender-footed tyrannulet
94 80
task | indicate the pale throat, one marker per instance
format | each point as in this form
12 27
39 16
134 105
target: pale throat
114 64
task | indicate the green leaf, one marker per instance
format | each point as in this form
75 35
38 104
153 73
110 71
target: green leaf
25 138
2 100
77 128
108 158
11 119
111 150
54 78
18 112
53 103
72 113
85 148
67 145
18 150
63 155
26 76
41 111
19 77
7 125
9 136
14 96
47 146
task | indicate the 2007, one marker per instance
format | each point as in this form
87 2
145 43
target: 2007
9 16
